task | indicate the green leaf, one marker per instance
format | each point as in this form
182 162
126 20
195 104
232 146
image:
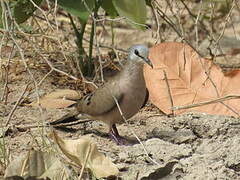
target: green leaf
1 23
79 8
23 9
149 2
134 10
107 5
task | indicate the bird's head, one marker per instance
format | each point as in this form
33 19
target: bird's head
139 54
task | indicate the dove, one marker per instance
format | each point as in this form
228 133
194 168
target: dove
125 92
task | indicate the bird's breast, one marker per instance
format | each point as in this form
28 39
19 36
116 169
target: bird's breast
133 99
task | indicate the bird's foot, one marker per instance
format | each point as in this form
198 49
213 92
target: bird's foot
118 139
115 135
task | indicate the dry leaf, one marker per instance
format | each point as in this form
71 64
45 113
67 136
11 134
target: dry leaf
6 51
64 93
188 81
61 98
37 164
84 152
49 103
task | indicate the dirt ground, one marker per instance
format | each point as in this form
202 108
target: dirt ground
190 146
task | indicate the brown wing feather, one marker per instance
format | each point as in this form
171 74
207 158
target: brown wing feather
100 101
146 98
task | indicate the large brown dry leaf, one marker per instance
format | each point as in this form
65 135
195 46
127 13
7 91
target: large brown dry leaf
37 164
61 98
84 153
188 82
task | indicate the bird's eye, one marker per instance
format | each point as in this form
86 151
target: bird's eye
136 52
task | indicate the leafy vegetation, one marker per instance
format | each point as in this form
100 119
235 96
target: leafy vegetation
134 10
21 10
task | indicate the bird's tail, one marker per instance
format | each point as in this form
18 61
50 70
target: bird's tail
71 119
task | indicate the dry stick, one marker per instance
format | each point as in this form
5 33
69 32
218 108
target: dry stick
21 50
5 90
56 125
51 66
170 23
46 75
54 38
61 49
85 162
194 16
196 24
98 50
169 91
158 34
225 25
20 32
215 87
16 104
238 6
207 74
222 33
12 36
174 28
227 106
216 42
1 43
125 120
225 98
25 64
44 14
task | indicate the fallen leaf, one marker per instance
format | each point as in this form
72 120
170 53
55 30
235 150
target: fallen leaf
61 98
49 103
37 164
84 153
188 81
7 51
64 93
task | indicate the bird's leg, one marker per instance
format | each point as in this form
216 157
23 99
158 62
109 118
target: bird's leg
115 131
115 135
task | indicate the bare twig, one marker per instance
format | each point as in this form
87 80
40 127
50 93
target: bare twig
125 120
85 162
5 89
16 104
225 98
173 26
215 87
169 91
80 121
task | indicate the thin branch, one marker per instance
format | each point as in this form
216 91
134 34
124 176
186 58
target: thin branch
125 120
16 104
80 121
172 25
85 162
225 98
169 91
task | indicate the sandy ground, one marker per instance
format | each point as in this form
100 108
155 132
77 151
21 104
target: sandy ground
190 146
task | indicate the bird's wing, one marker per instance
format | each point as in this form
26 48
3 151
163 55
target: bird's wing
101 101
146 98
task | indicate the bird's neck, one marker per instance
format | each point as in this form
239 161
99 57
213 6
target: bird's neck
134 71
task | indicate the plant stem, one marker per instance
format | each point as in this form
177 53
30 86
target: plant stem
112 31
90 49
79 41
90 63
